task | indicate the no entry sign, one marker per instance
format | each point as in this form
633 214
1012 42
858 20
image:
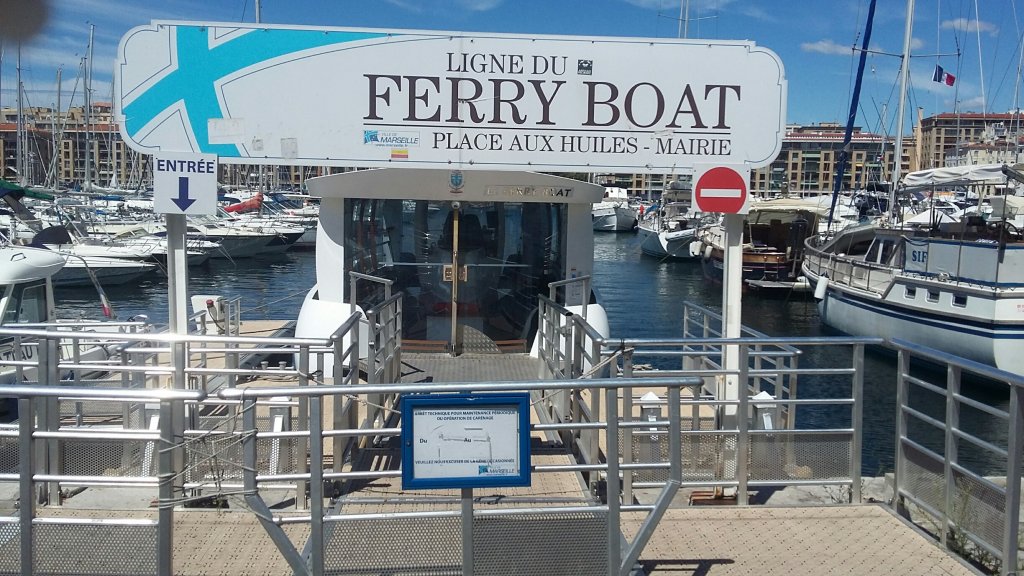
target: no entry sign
721 189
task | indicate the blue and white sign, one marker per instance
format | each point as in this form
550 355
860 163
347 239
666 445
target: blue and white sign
184 183
465 441
452 100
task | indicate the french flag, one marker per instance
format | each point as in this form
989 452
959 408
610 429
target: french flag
941 75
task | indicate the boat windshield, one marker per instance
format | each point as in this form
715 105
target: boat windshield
26 303
487 275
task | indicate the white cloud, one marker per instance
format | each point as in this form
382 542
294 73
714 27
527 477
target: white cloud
965 25
406 5
470 5
826 47
479 5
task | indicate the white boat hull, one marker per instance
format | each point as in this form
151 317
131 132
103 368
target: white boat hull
107 273
609 217
962 298
677 245
991 343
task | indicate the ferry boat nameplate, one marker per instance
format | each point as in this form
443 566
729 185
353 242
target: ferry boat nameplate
459 100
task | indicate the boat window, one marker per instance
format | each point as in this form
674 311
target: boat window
960 300
27 304
888 247
911 292
933 295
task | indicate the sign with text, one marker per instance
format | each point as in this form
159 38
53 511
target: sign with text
722 189
184 183
465 441
455 100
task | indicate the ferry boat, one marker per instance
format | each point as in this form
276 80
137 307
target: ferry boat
469 252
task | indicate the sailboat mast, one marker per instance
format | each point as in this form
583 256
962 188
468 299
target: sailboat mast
844 152
904 74
51 173
88 106
19 145
261 167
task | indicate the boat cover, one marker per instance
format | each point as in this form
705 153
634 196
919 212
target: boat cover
954 176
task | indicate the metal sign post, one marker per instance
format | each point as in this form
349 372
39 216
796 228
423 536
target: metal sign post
732 301
182 184
724 189
177 276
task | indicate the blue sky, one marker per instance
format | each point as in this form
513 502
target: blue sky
813 38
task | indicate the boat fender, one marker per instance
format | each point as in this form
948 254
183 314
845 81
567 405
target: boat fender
821 287
707 252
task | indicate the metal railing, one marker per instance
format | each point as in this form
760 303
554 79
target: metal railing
216 439
970 509
36 444
40 440
848 270
731 439
151 361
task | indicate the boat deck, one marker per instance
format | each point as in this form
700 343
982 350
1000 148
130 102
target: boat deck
689 541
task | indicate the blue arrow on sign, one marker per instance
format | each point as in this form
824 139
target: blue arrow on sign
183 201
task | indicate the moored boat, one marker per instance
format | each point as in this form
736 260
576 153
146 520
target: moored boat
671 231
614 213
470 270
953 286
774 232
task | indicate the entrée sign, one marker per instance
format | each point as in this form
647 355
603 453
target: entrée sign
449 99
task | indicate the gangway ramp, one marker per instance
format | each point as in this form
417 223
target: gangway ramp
378 524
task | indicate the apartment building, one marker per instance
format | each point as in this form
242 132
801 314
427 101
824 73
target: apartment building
945 137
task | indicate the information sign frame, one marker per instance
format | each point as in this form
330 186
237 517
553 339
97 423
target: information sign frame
425 421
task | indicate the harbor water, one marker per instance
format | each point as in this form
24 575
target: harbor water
643 296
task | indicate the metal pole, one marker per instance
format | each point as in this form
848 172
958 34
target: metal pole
27 503
177 281
177 277
950 458
316 484
467 532
1011 526
305 422
743 436
732 284
858 422
166 477
612 480
902 366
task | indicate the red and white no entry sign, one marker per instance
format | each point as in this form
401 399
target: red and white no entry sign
721 189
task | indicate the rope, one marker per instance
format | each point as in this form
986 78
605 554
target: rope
272 302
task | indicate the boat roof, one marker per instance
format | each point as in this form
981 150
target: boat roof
819 205
25 264
991 174
447 185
